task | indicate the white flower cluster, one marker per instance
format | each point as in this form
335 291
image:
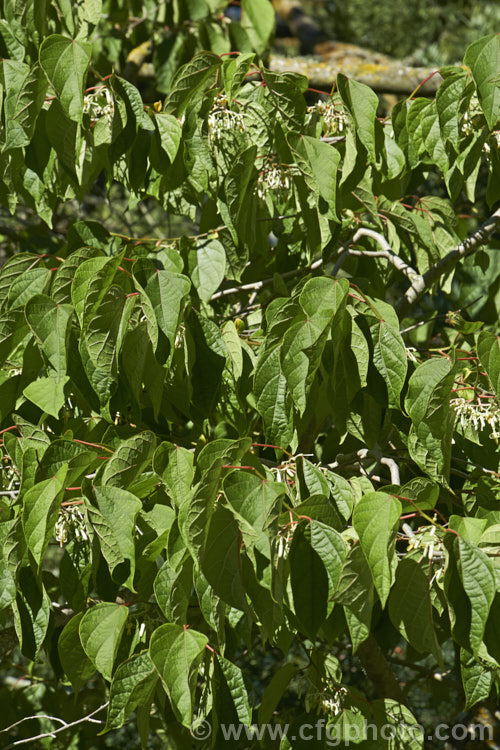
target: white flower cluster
273 178
411 353
99 104
71 522
333 703
334 117
478 414
495 135
469 119
221 119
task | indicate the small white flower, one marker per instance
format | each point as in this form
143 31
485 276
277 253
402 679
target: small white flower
478 414
275 178
99 104
71 522
222 120
335 119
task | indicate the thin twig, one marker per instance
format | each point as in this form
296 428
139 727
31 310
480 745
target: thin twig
420 284
55 731
256 286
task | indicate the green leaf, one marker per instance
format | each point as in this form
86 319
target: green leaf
49 322
207 267
114 524
25 90
237 688
101 629
65 62
332 550
169 133
310 583
47 393
191 81
483 58
129 460
376 520
257 18
356 592
174 651
324 161
362 103
274 690
389 357
220 560
75 662
488 351
40 511
477 679
24 287
478 579
234 347
174 465
91 281
173 590
410 607
166 292
31 612
133 684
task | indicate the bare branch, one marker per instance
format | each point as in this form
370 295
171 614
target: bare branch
384 252
420 284
256 286
89 718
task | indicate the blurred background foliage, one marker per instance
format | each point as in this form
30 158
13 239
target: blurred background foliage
430 32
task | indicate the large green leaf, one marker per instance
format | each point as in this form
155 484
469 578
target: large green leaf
129 460
356 592
220 560
207 266
65 62
477 679
257 18
75 662
478 579
362 103
114 524
101 629
376 519
25 90
235 682
40 511
488 351
47 393
191 80
174 465
174 650
133 684
483 58
389 357
410 607
49 322
310 583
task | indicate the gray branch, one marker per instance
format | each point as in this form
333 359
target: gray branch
420 284
256 286
384 252
89 718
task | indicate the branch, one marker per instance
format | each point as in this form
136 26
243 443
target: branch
420 284
385 252
256 286
56 731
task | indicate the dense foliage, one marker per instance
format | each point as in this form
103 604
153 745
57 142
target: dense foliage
240 460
